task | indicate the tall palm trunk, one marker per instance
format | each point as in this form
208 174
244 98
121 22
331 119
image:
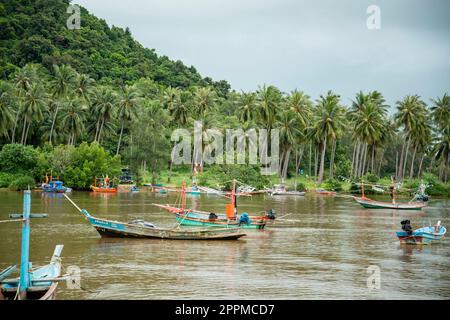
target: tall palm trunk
286 162
24 129
316 161
120 137
364 158
400 163
333 151
353 161
406 158
322 160
310 159
357 160
298 159
420 166
411 171
373 159
381 161
13 137
53 124
396 166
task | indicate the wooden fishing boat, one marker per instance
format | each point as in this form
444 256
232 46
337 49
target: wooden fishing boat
372 204
143 229
55 186
104 189
40 283
191 217
325 192
280 190
425 235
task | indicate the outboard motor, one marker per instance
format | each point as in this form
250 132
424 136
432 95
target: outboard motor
406 226
212 216
271 214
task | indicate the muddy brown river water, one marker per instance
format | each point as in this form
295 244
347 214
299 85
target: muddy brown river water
320 248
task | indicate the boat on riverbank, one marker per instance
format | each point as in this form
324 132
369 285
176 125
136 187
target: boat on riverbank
231 219
40 283
425 235
144 229
280 190
325 192
55 186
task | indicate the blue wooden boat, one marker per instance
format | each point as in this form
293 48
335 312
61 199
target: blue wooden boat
143 229
134 189
425 235
40 283
55 186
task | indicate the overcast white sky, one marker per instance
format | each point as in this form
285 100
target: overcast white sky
313 46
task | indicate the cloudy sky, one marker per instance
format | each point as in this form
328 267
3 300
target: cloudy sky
313 46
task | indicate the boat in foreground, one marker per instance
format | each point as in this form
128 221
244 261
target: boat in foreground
40 283
143 229
425 235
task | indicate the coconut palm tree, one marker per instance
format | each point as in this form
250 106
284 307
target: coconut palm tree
204 99
103 107
247 107
34 103
180 107
269 98
441 116
6 114
128 103
410 111
300 104
287 124
73 119
329 122
64 78
83 86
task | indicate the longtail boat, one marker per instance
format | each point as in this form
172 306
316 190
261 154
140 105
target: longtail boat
192 217
373 204
143 229
104 189
104 186
40 283
280 190
425 235
325 192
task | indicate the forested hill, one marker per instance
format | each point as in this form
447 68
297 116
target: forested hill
35 31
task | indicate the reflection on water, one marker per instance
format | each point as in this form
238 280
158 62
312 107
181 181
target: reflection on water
320 248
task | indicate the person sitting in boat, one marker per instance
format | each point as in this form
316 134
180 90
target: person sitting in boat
106 181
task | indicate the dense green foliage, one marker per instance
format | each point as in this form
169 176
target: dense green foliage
93 99
35 31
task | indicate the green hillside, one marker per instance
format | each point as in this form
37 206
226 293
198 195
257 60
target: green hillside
36 32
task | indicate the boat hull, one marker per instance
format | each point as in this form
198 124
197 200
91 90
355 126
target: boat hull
104 190
287 193
107 228
372 204
189 220
424 235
